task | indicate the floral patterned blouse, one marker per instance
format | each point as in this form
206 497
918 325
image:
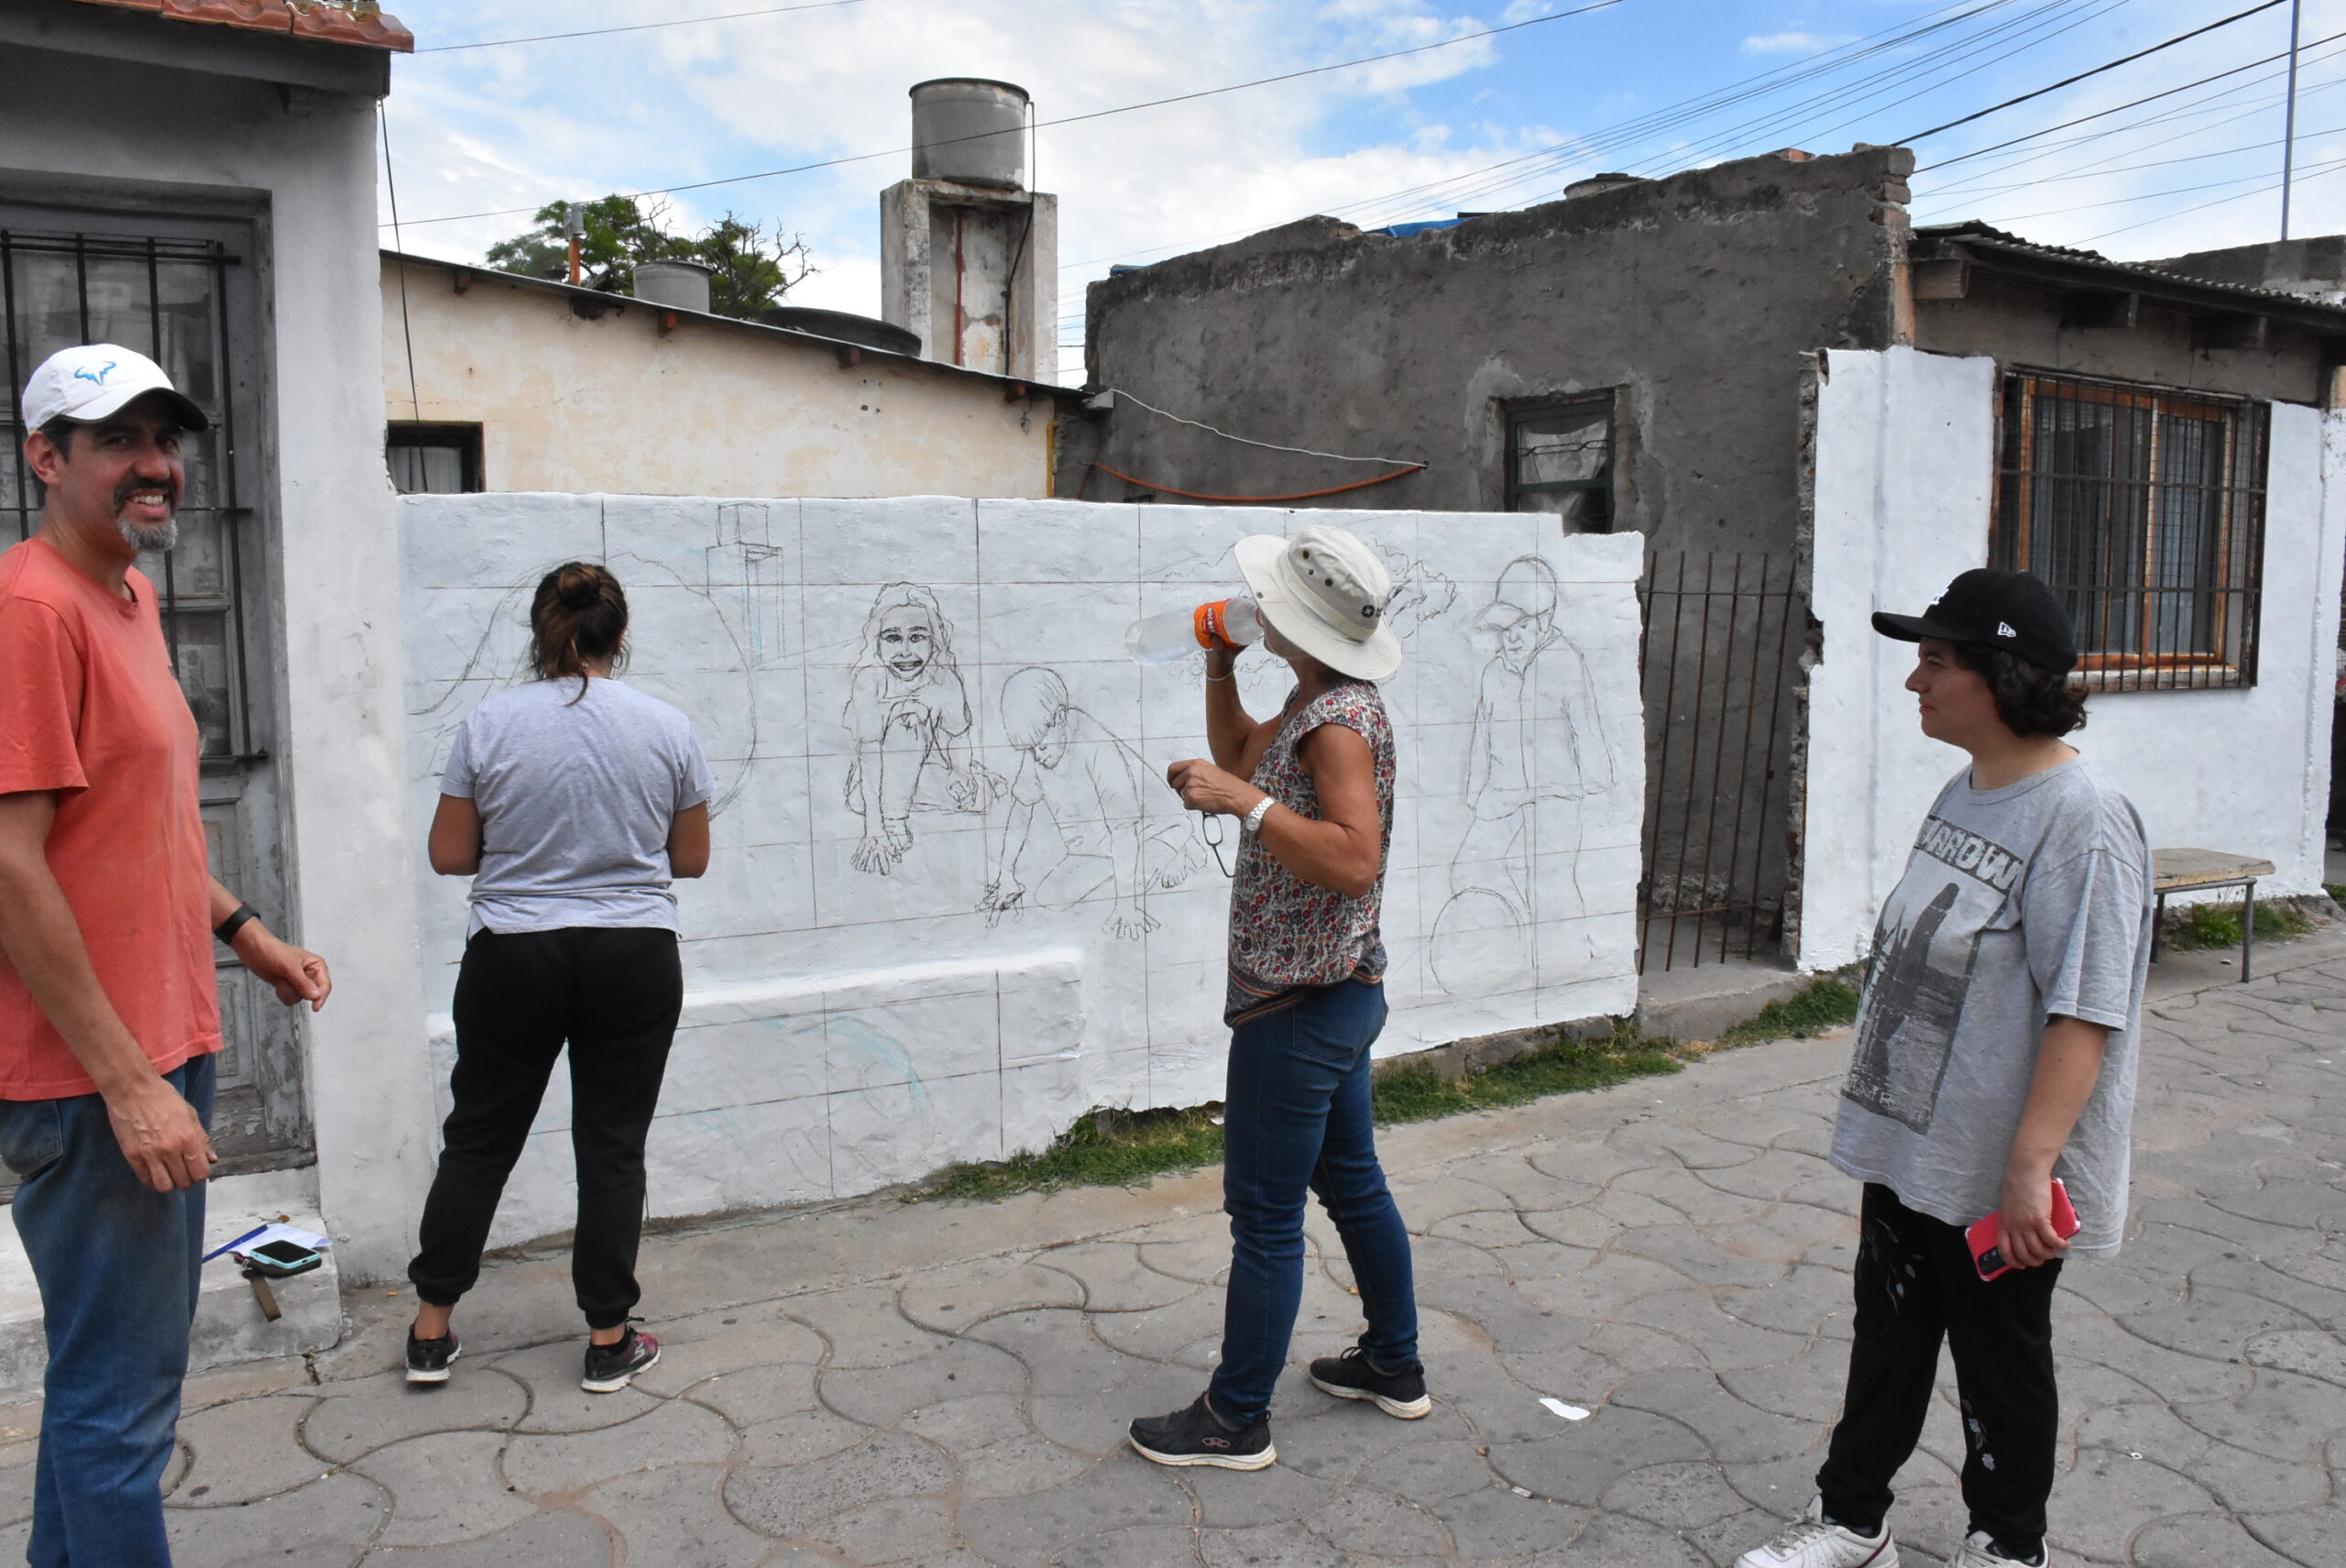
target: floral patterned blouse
1287 935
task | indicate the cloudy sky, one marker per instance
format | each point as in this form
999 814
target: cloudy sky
2154 164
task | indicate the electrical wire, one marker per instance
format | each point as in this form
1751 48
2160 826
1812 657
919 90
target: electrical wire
642 26
2101 114
2082 75
390 182
1079 119
2145 196
1245 441
2218 201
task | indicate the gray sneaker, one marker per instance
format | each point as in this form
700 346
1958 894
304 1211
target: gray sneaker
1814 1542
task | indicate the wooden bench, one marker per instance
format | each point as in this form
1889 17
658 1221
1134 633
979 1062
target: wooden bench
2197 871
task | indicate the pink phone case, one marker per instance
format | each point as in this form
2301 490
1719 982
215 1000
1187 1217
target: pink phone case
1985 1237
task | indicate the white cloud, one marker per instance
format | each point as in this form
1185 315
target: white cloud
1795 43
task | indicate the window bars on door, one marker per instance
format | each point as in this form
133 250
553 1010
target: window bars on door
2144 510
1717 654
167 299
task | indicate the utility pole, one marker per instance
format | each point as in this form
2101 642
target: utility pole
574 218
2290 124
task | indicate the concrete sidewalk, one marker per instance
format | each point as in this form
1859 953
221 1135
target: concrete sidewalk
947 1384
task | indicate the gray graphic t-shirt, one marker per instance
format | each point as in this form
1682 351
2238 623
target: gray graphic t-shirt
575 801
2017 903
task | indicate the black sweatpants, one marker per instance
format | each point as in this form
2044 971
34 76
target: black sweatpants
1916 1286
614 994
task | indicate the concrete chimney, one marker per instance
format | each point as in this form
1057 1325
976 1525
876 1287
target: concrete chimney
968 257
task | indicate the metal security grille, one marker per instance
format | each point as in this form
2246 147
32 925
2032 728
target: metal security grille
2144 510
1715 652
164 298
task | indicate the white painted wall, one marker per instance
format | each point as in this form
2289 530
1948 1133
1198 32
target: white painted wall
845 1029
1906 456
209 140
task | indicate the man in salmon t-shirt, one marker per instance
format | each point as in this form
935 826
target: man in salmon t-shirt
109 1013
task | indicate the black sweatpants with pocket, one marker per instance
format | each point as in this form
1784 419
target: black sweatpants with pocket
613 994
1916 1286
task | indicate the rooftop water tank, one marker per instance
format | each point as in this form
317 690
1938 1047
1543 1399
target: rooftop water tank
971 131
679 285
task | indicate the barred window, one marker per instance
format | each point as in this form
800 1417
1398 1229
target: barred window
1560 460
2144 510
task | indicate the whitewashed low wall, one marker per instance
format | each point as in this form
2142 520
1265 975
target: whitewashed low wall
1905 458
861 1011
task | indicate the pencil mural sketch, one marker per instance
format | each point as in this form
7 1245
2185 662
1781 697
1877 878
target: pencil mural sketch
953 904
1515 796
910 717
1077 827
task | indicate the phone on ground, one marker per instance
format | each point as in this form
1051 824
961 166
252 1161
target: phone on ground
1986 1237
282 1259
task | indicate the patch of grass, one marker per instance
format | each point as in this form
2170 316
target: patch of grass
1117 1148
2336 891
2205 925
1564 1066
1824 1003
1104 1148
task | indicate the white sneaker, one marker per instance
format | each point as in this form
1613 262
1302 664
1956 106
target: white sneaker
1979 1550
1810 1543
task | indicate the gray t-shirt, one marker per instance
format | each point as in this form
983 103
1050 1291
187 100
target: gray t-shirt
576 802
2017 903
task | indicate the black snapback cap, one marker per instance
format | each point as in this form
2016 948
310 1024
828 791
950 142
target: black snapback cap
2011 610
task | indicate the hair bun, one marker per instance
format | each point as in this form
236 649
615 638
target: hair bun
579 589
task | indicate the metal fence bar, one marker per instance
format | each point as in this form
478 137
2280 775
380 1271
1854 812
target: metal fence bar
1709 885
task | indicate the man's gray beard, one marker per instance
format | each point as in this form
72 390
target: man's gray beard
149 541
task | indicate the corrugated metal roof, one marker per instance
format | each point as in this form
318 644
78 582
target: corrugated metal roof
1983 235
359 22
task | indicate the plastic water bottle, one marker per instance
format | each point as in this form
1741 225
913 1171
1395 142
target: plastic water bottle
1224 623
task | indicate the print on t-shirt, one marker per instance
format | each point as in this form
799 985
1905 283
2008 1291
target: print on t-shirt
1923 955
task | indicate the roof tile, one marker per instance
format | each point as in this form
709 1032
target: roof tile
358 22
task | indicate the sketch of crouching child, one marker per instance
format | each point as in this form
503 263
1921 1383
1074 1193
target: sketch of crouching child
909 715
1089 783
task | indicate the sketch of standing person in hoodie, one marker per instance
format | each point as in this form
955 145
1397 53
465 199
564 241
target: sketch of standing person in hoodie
909 715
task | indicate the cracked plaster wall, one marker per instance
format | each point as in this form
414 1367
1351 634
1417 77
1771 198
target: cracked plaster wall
1905 459
858 1016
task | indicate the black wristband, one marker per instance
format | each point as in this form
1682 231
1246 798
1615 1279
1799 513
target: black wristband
226 930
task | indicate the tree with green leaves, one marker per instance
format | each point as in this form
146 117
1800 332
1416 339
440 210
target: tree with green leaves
750 269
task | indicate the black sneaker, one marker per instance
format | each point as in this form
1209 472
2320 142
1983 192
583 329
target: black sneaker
612 1368
1197 1436
1350 1377
428 1359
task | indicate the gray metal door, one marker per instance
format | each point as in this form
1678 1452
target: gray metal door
187 290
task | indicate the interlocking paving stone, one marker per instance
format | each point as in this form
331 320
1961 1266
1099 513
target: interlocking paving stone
946 1385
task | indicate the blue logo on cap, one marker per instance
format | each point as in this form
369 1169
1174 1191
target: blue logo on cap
98 376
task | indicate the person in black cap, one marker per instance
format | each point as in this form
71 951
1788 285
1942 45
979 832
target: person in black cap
1995 1052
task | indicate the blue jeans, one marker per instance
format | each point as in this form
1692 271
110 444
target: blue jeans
117 1264
1295 1117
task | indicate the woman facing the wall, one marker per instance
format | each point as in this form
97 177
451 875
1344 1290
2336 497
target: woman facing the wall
1312 787
571 801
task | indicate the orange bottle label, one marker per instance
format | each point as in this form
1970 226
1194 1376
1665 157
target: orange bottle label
1212 624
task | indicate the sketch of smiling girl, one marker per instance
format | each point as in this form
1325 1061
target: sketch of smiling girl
909 714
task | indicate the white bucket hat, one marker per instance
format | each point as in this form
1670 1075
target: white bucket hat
1325 592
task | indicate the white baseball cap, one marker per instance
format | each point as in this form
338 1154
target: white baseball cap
98 381
1324 591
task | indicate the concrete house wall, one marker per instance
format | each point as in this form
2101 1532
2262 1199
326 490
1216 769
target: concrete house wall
1905 448
1692 298
121 110
589 394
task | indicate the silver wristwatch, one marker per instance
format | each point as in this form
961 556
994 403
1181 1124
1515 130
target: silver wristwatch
1253 821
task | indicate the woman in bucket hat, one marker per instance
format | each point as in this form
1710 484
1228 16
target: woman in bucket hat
1312 787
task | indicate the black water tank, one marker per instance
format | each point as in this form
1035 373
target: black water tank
841 327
